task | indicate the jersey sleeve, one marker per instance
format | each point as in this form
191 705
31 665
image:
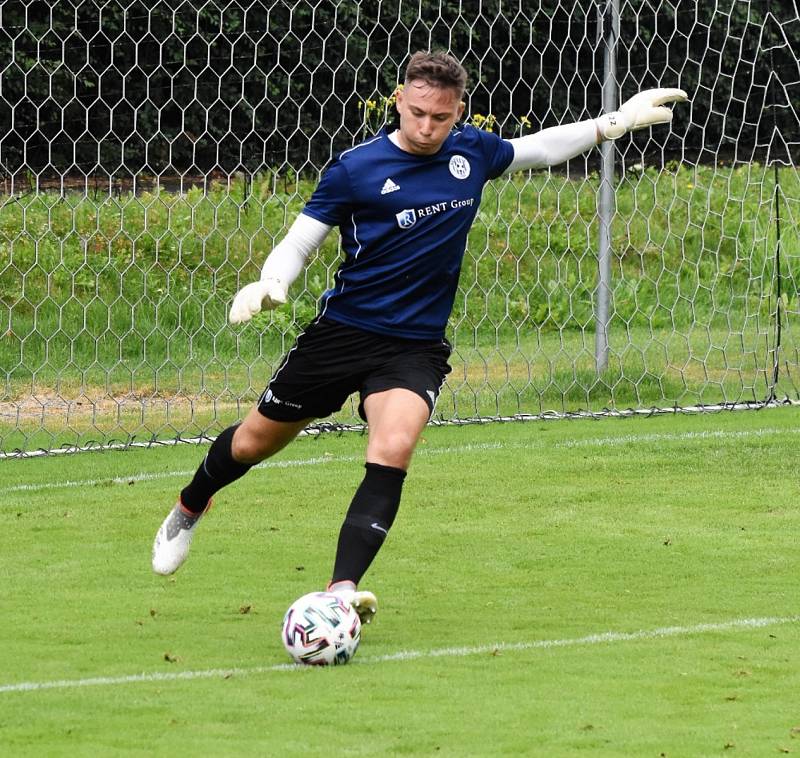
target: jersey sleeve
331 201
498 153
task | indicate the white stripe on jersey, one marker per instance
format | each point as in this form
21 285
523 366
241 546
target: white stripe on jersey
363 144
355 235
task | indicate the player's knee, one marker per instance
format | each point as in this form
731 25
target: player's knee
247 447
393 448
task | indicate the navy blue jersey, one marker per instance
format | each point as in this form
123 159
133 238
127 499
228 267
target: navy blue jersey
404 221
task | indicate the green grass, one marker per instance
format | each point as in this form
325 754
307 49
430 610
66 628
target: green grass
107 288
514 533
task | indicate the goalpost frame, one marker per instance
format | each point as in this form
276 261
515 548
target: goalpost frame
608 29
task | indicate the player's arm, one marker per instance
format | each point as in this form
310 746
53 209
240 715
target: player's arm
282 267
557 144
552 146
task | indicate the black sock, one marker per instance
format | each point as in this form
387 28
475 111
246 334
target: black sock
368 520
217 469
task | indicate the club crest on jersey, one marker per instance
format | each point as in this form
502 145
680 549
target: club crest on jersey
459 167
407 218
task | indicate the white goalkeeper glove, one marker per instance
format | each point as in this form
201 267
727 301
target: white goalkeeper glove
253 297
282 267
642 110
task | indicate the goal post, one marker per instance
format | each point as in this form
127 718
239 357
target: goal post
152 153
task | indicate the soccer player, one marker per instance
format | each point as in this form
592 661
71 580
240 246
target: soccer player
404 201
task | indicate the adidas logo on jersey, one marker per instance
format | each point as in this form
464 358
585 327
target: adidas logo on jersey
389 186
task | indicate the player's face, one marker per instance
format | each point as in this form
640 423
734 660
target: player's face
427 114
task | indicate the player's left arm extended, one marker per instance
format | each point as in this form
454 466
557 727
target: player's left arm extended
557 144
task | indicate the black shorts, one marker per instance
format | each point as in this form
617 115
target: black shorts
331 361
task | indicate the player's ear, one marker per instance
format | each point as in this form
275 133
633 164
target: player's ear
461 107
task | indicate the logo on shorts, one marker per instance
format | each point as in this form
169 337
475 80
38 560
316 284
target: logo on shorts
407 218
270 398
459 167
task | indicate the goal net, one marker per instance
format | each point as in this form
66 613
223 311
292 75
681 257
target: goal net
151 154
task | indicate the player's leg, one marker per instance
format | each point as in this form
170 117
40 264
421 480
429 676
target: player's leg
396 418
235 452
231 456
312 381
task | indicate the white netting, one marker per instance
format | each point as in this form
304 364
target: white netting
151 154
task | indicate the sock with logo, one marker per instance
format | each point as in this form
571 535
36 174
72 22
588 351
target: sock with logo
217 470
368 520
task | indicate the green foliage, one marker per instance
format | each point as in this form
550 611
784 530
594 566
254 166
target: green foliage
378 112
139 280
127 88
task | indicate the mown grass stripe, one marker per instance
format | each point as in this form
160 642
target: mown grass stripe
601 638
629 439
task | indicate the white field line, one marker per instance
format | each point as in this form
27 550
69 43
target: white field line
714 434
628 439
317 461
602 638
157 476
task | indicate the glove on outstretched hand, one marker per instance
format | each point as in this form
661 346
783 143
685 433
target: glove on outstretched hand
250 299
642 110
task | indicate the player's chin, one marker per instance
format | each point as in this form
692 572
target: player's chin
426 148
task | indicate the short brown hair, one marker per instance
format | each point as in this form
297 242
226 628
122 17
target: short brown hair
438 69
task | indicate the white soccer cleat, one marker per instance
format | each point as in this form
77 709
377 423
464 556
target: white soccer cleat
173 539
364 603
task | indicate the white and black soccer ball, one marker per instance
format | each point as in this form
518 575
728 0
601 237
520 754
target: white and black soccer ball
321 629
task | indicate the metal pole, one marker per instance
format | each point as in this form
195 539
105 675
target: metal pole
606 206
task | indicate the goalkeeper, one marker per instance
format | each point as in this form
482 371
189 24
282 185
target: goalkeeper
404 202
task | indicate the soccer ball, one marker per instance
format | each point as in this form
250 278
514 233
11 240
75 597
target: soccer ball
320 629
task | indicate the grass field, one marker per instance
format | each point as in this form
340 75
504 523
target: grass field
604 588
